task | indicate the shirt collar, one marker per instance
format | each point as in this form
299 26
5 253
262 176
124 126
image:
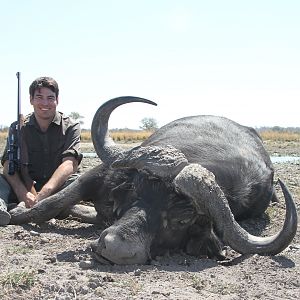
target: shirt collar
56 120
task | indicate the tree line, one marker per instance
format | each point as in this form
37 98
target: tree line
279 129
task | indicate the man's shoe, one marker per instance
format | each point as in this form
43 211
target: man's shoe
4 217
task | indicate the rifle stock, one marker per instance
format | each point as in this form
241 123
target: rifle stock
11 151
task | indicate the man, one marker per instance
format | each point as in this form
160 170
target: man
51 143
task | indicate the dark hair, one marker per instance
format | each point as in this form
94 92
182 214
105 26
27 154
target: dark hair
46 82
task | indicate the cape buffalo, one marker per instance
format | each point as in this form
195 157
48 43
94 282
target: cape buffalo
184 188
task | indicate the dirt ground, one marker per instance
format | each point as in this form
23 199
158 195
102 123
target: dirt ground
53 260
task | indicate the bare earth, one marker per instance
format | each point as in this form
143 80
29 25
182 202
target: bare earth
53 260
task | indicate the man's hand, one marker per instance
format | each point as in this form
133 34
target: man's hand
29 199
23 195
58 178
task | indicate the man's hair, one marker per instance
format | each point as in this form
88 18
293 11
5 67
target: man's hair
46 82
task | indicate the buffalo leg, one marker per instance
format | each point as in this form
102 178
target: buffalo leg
83 213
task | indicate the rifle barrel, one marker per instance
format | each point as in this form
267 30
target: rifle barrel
19 121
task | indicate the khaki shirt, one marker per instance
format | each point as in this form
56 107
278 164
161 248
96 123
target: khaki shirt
46 150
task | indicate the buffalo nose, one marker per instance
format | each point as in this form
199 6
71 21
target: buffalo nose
116 246
119 250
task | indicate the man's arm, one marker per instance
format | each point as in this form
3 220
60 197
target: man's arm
18 187
71 157
68 166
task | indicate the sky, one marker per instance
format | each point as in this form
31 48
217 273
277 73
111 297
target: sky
238 59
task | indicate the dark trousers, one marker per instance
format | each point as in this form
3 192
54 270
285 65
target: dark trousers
9 199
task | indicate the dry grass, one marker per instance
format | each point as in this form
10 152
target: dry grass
121 136
272 135
124 136
3 136
85 136
129 136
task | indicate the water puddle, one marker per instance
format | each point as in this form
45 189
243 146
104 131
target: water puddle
284 159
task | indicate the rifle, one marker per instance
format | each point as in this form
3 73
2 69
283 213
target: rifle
17 149
14 151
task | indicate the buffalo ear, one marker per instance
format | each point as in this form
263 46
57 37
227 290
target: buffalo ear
122 196
203 241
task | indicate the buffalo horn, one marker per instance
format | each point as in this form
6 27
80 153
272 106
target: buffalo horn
105 147
164 162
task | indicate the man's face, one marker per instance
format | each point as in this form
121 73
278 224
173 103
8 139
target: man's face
44 103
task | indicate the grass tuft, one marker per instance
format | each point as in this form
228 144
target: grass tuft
24 279
17 250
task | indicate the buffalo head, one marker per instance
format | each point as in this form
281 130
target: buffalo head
166 186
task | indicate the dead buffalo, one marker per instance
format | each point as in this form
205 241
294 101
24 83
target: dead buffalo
182 189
